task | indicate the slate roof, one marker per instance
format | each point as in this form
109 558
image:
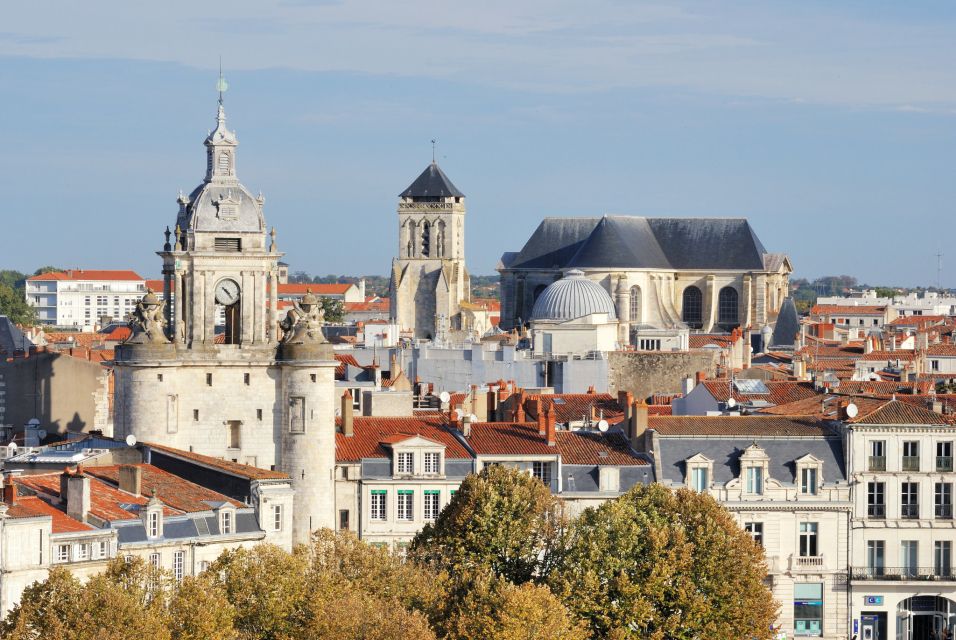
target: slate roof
787 327
11 338
372 434
744 426
639 242
234 468
432 183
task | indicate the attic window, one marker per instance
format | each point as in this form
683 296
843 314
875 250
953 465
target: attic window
228 244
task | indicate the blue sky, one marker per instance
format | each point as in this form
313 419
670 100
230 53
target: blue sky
830 125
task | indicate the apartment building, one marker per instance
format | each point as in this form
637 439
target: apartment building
83 299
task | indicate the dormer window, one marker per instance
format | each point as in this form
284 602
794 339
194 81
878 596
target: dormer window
431 462
699 479
808 480
700 471
809 475
406 462
755 480
755 469
152 526
226 522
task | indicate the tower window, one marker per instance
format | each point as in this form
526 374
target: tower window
259 415
228 244
312 377
224 163
208 379
727 311
196 414
245 378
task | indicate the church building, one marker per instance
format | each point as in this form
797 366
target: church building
262 391
429 280
659 275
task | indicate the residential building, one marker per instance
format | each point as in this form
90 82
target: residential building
84 299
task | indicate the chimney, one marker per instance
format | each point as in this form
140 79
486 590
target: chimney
699 377
9 490
492 404
77 495
348 415
591 390
624 400
131 479
454 419
549 428
638 425
466 426
542 420
519 409
686 386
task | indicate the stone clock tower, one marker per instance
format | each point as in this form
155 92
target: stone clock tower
251 390
429 279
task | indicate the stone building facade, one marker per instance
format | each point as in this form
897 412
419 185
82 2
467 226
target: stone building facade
256 391
429 280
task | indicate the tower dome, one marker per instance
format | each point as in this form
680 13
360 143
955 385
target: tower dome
571 297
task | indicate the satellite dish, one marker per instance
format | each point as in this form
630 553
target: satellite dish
852 410
33 422
602 426
12 448
731 403
444 396
131 440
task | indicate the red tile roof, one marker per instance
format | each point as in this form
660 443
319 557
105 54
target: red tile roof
899 354
508 438
234 468
747 426
659 409
380 306
847 310
106 502
569 407
701 340
316 288
34 507
781 391
942 349
343 360
590 447
88 274
158 285
918 321
371 434
173 491
895 412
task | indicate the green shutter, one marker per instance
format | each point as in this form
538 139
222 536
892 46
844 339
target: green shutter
379 492
431 493
404 492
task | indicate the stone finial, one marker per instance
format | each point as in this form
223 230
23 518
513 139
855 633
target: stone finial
148 321
179 238
166 245
273 247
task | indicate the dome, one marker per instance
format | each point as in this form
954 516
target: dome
571 297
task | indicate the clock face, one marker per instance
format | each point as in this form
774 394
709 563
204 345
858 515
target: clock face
227 292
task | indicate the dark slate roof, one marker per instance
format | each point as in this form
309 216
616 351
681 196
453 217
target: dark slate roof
11 338
787 327
637 242
432 183
725 452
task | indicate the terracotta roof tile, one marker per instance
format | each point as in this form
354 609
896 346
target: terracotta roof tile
343 360
781 391
589 447
569 407
944 350
370 435
173 491
847 310
106 502
895 412
899 354
34 507
88 274
508 438
701 340
234 468
746 426
318 289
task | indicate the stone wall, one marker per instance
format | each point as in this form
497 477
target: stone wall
645 373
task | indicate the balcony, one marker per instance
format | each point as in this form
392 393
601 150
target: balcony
910 463
806 562
909 511
876 463
940 574
944 463
876 511
944 512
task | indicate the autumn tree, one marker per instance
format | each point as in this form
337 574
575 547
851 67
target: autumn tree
658 564
199 610
501 520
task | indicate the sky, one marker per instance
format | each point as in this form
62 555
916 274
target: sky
830 125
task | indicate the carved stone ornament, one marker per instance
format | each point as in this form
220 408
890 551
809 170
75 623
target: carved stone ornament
147 322
303 323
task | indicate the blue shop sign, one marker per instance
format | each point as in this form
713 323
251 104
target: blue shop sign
873 601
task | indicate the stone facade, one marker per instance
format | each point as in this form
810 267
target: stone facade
645 373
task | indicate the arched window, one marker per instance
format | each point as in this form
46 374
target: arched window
692 311
426 239
727 312
635 304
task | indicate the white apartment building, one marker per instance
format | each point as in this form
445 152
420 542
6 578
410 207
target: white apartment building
81 298
930 303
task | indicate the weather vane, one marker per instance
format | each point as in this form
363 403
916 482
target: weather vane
222 85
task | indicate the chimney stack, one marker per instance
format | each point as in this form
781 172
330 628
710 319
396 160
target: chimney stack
624 400
9 490
699 377
466 426
348 415
638 425
550 428
542 421
77 495
131 479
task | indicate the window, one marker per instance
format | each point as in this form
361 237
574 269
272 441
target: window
699 480
431 462
943 500
943 558
277 517
875 557
755 529
225 522
208 379
727 313
196 414
944 456
406 503
259 415
154 560
406 462
542 471
808 540
911 456
356 398
228 244
909 552
876 500
152 524
344 519
649 344
62 553
83 551
909 500
808 609
431 505
877 459
101 550
377 507
934 364
159 377
692 310
635 314
179 564
245 379
808 480
755 480
297 415
235 428
224 163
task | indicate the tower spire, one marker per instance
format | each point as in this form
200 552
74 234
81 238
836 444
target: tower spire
433 150
222 85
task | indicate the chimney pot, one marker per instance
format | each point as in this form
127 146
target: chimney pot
638 425
348 415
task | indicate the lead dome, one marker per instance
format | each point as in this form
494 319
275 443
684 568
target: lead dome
572 297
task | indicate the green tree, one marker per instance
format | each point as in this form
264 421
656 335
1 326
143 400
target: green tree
13 279
14 306
658 564
334 309
501 520
46 610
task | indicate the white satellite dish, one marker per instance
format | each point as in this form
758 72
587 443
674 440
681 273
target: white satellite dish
444 396
602 426
731 403
852 410
131 440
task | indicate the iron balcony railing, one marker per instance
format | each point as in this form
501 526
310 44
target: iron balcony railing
910 463
903 573
944 463
877 511
944 512
909 511
876 463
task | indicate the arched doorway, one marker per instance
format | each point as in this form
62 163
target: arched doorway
925 617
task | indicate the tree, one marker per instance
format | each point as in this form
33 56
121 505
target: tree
46 609
501 520
13 279
199 610
14 306
334 309
664 565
